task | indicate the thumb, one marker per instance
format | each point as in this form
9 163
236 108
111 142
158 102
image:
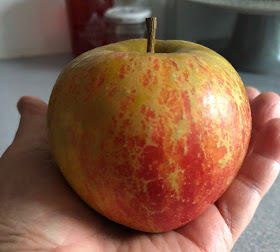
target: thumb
32 130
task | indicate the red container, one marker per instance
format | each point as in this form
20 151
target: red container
87 24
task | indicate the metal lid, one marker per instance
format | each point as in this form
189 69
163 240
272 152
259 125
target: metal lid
127 14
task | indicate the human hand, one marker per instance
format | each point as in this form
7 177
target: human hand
39 211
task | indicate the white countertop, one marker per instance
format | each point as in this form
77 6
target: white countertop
36 76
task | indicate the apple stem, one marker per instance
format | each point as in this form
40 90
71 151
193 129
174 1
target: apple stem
151 23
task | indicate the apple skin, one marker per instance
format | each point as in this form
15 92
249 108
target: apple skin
149 140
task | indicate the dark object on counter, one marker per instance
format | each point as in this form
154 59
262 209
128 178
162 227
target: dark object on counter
255 45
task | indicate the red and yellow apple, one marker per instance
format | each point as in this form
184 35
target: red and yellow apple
149 140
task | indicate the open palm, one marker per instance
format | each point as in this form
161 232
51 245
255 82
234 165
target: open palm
40 212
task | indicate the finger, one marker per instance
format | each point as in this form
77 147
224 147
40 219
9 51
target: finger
32 127
264 107
28 155
252 93
260 169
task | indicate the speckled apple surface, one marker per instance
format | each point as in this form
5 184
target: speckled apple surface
149 140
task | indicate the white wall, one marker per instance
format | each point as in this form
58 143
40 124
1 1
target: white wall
33 27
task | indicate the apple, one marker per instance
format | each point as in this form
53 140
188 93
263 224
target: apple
149 140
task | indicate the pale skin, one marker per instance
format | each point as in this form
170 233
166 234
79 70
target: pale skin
40 212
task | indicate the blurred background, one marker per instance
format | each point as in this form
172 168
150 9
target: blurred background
246 32
38 38
35 27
